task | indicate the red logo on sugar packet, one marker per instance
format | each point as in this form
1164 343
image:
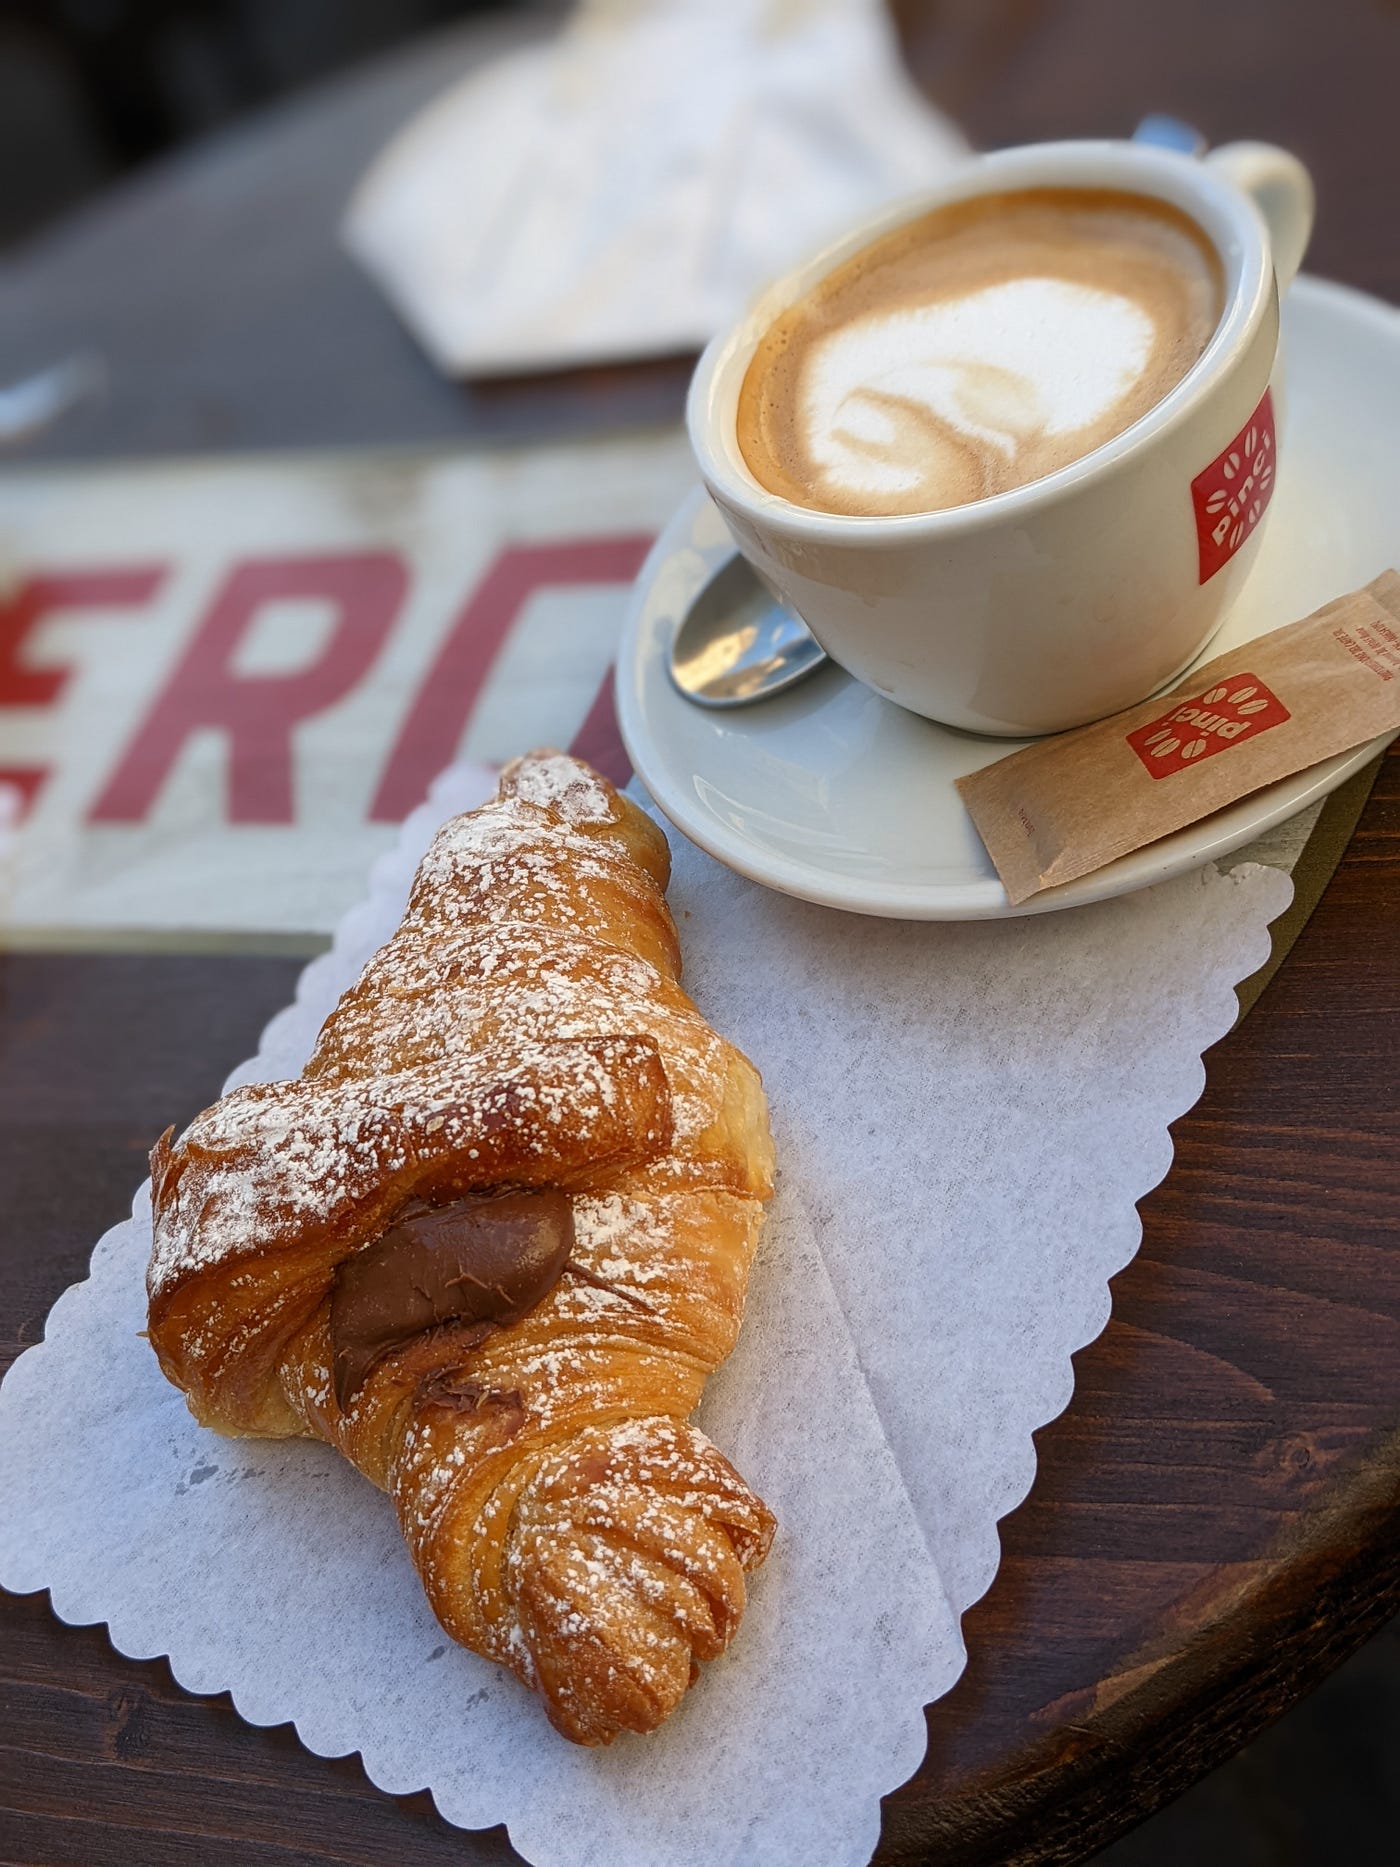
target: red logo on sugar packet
1231 494
1227 714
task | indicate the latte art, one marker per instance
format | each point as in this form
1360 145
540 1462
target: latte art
981 348
894 406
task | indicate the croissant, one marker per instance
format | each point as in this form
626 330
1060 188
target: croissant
490 1244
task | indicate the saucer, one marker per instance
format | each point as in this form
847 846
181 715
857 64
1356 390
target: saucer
832 793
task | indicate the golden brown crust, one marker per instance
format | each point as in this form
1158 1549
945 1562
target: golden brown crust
525 1026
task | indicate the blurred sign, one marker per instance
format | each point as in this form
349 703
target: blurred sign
222 684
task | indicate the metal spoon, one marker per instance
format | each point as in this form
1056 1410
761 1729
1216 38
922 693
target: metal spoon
737 643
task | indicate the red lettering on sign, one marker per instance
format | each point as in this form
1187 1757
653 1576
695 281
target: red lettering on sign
430 736
599 742
42 596
128 587
19 785
259 712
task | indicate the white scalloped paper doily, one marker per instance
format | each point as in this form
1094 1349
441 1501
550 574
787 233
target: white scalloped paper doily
965 1115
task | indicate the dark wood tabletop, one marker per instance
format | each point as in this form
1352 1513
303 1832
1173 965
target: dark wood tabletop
1216 1517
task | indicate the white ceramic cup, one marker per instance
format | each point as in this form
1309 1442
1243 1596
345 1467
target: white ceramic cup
1076 595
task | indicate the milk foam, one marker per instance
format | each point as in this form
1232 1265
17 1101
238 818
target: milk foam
977 348
892 403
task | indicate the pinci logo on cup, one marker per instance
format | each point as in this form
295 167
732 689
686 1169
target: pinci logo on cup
1008 449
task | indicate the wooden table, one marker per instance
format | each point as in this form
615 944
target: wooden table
1214 1521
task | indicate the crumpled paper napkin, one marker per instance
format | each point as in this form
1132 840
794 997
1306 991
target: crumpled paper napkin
621 191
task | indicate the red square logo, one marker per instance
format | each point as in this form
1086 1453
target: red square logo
1231 494
1233 710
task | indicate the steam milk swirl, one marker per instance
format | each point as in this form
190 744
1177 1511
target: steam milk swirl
977 349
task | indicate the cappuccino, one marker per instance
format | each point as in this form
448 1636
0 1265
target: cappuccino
978 348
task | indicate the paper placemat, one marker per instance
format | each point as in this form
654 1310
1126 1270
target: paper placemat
965 1116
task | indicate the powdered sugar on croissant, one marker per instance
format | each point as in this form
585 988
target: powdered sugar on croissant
491 1243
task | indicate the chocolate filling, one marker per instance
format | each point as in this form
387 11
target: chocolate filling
482 1260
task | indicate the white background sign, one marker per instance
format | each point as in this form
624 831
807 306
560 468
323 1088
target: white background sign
222 684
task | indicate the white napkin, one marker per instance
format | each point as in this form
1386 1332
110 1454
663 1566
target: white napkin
965 1117
622 190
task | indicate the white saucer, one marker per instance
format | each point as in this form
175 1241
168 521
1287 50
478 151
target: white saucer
832 793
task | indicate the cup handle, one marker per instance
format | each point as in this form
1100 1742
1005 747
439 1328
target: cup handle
1281 188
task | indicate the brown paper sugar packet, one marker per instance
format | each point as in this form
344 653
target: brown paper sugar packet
1068 805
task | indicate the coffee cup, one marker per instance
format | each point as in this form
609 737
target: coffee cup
1083 590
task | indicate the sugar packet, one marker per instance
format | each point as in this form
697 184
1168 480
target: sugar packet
1067 805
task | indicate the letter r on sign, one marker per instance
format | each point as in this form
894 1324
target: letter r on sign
257 713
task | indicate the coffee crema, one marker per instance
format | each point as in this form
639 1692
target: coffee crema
978 348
